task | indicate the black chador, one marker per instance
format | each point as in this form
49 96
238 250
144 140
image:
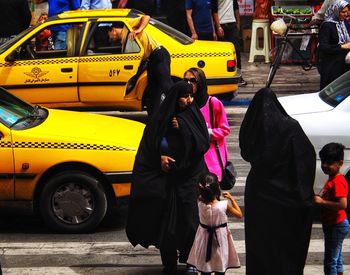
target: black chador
163 206
279 188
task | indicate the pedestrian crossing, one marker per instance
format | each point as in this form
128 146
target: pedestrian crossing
311 269
114 248
116 257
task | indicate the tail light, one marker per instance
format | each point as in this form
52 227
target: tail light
231 65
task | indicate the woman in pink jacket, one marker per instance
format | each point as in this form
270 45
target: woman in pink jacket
218 126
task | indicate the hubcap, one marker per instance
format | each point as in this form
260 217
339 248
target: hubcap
73 203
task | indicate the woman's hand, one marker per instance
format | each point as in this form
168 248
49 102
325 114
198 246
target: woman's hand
175 123
166 163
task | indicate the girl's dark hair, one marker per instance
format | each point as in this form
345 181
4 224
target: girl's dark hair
208 187
332 152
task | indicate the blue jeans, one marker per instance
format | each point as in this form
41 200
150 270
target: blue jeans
59 40
333 242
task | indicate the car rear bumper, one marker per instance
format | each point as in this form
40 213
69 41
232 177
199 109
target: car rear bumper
121 182
224 81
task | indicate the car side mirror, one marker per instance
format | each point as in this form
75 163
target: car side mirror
11 57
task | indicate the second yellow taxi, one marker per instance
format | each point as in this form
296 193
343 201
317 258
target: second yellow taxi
72 168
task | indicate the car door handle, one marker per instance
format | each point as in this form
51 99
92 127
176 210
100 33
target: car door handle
128 67
67 70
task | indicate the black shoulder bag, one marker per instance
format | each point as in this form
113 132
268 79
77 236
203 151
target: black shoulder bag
229 173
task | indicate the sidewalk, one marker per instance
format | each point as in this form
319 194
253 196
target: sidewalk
289 79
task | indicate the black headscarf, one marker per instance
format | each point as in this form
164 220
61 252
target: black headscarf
149 186
201 96
268 139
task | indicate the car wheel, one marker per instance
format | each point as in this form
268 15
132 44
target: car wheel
73 202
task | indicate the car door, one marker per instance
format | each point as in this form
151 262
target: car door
107 66
6 162
43 74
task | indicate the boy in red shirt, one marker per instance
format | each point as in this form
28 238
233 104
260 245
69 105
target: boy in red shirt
333 200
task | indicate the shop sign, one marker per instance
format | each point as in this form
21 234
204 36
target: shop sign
246 7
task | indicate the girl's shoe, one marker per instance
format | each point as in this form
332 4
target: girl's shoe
191 270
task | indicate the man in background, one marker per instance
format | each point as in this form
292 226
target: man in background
228 25
95 4
200 20
101 33
146 6
176 15
15 17
59 33
156 56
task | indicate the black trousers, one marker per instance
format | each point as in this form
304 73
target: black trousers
231 34
159 78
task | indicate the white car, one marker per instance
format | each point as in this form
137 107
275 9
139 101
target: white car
325 117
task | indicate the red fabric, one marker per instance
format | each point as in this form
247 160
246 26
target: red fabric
42 40
262 9
335 188
122 3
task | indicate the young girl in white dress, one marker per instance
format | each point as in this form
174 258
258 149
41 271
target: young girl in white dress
213 249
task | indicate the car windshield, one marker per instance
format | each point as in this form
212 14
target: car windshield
336 91
17 114
9 43
177 35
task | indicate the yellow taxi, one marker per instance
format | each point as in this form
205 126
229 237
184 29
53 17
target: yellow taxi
70 167
102 74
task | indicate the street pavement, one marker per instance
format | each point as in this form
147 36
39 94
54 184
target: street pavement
289 79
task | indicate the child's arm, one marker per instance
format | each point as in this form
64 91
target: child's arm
233 209
339 204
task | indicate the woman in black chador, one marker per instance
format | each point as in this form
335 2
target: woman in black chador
163 205
279 188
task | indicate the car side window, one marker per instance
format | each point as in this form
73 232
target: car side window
56 41
110 38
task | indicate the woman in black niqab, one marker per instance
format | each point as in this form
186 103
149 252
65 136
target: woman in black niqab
163 205
279 188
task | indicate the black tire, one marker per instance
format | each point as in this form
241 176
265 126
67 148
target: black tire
73 202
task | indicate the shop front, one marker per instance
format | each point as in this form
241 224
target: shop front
297 12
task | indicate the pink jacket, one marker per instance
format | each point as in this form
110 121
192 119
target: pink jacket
218 132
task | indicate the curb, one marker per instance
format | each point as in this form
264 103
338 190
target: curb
237 102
